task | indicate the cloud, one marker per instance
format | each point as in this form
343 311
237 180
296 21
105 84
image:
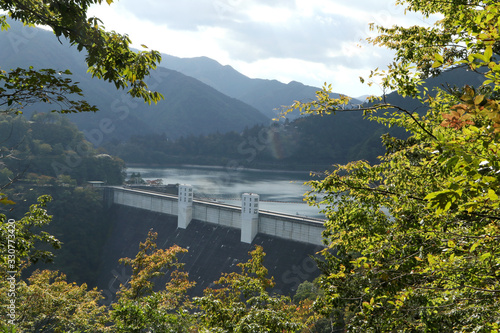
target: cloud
189 15
306 35
305 30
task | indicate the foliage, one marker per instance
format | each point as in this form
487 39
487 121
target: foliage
300 144
22 243
108 55
139 307
49 149
304 298
25 238
306 291
135 178
47 303
413 240
242 304
23 87
80 222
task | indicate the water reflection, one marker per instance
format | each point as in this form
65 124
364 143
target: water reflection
280 191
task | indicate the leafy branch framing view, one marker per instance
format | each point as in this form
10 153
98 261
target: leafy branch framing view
411 242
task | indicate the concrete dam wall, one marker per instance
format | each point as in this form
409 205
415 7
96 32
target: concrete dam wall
213 238
248 219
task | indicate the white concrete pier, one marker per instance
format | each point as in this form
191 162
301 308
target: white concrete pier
185 209
247 218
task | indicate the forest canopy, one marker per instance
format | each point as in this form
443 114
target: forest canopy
411 240
108 56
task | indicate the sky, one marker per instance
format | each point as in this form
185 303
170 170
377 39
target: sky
309 41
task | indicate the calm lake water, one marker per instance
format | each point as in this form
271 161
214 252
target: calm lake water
279 191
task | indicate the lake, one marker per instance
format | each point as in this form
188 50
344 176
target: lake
279 191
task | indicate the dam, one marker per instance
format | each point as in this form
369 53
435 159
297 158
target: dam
248 218
218 237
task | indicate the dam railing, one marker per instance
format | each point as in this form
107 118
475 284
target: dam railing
248 218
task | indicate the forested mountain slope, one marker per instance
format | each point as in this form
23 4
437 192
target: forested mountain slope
266 95
190 106
303 143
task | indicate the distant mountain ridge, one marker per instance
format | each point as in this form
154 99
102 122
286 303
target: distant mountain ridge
202 96
197 103
268 96
190 106
312 142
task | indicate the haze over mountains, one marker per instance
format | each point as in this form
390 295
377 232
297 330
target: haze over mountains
265 95
204 97
201 96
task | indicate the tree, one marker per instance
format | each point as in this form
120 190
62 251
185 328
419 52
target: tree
139 308
242 304
413 239
22 87
22 242
108 56
47 303
305 296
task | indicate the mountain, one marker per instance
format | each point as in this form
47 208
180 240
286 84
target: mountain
265 95
450 79
305 143
193 108
190 106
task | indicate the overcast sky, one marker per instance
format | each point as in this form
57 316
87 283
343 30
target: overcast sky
310 41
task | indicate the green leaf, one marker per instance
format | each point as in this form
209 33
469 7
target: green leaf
438 57
492 195
488 53
479 99
485 256
474 246
438 62
442 200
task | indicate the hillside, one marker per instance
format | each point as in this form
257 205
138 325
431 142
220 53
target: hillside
194 110
304 143
190 107
450 79
49 150
265 95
